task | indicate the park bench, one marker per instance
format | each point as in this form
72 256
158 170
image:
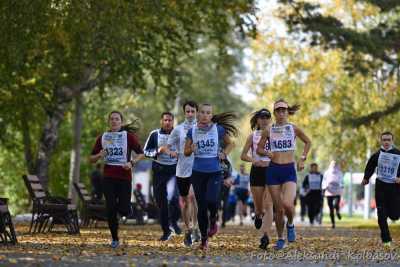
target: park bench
46 208
7 232
93 210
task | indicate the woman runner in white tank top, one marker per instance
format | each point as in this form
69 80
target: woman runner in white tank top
261 196
281 175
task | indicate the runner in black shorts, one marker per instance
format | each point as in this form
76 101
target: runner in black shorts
261 196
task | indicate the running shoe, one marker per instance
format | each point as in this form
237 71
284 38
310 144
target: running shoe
196 235
291 233
338 216
387 244
213 229
264 242
176 229
114 244
280 244
188 239
166 236
204 244
258 221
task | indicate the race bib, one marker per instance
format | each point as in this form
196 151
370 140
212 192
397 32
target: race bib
116 146
206 142
334 187
388 165
164 158
256 139
314 181
282 138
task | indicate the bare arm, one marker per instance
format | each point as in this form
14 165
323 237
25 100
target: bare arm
244 156
94 158
306 140
229 144
189 147
307 145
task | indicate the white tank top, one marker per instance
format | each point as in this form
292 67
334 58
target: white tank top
256 139
282 138
206 142
116 146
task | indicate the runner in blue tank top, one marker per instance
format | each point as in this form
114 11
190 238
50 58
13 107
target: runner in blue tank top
281 174
210 142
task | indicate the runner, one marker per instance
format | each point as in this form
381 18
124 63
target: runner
387 189
333 188
242 191
206 140
164 169
313 186
281 174
261 196
184 170
115 147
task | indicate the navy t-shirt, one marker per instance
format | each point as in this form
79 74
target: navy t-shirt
207 164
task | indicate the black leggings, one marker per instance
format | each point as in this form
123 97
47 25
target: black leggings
117 193
333 204
313 204
387 197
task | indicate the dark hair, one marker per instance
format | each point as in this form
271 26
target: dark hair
116 112
313 164
227 121
132 127
256 115
387 133
167 113
190 103
291 109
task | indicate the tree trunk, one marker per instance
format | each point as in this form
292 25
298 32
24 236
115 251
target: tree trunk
62 98
74 172
48 141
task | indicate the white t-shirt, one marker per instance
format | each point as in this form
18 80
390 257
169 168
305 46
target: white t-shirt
177 138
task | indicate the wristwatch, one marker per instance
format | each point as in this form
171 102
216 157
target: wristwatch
303 157
133 162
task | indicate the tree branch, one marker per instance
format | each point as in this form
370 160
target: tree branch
372 117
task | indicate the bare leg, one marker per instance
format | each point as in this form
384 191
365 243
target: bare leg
276 195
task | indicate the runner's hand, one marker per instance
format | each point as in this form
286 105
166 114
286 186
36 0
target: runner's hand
173 154
364 182
127 166
397 180
228 182
194 148
222 156
162 149
102 153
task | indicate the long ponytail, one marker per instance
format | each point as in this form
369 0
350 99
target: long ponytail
227 121
132 127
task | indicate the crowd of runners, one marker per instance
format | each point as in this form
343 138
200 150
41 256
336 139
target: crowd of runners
190 162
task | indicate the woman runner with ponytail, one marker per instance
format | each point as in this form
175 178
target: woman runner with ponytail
261 196
281 174
210 142
115 147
